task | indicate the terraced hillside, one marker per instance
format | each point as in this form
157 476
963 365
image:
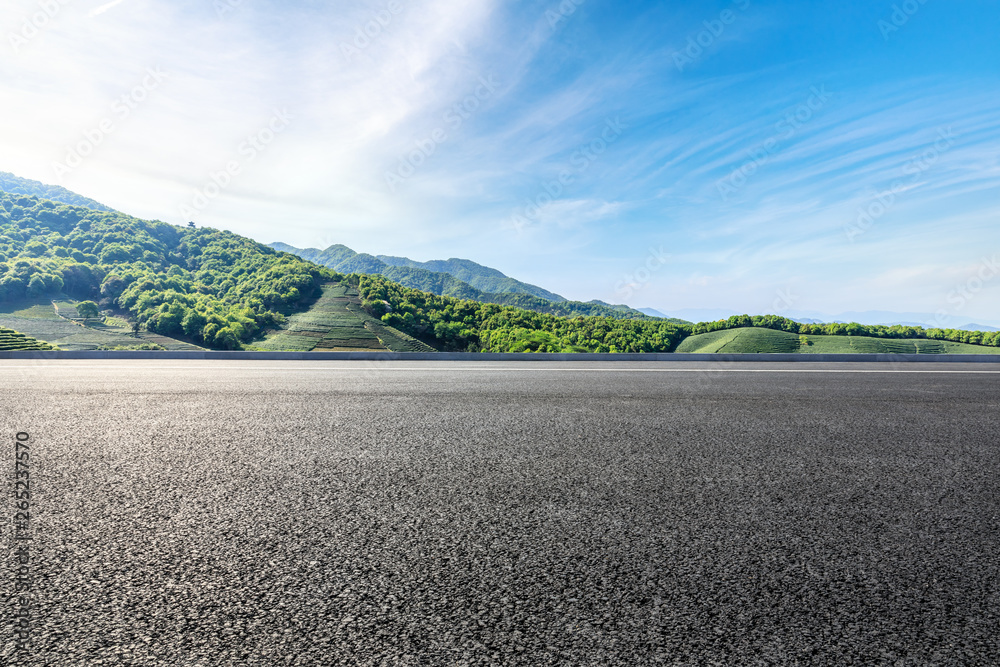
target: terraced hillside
336 322
865 345
14 340
41 320
740 341
750 340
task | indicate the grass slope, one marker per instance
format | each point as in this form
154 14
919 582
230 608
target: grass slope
751 340
11 340
864 345
740 341
336 322
40 320
213 287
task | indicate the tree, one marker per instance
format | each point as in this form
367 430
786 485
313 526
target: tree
36 286
226 339
193 324
87 309
35 248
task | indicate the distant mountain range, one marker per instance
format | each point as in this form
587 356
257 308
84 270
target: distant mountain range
465 272
466 279
459 278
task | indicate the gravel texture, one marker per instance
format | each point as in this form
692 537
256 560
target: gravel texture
262 513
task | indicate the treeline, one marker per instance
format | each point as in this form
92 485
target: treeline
470 326
564 308
217 288
988 338
222 290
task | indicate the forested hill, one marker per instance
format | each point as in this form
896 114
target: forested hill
481 277
504 290
22 186
217 288
223 291
468 273
467 326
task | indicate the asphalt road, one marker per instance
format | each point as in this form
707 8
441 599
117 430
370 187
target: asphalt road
380 513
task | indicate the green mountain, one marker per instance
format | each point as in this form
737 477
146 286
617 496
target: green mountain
447 323
449 278
213 287
224 291
468 326
23 186
483 278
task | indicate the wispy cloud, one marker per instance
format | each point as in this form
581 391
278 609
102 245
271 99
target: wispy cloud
105 7
368 86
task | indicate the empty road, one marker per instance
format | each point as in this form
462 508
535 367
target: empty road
431 513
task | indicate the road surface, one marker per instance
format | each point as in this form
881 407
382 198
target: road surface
420 513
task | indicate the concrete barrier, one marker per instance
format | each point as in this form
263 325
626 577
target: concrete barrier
490 356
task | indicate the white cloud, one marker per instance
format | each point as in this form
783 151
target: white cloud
106 7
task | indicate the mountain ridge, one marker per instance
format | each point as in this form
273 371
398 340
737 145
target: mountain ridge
13 184
224 291
415 275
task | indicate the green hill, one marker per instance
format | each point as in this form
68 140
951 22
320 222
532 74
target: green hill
450 280
740 341
337 322
192 287
482 278
751 340
466 273
56 321
447 323
213 288
23 186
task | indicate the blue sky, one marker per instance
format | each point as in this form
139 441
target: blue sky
753 156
